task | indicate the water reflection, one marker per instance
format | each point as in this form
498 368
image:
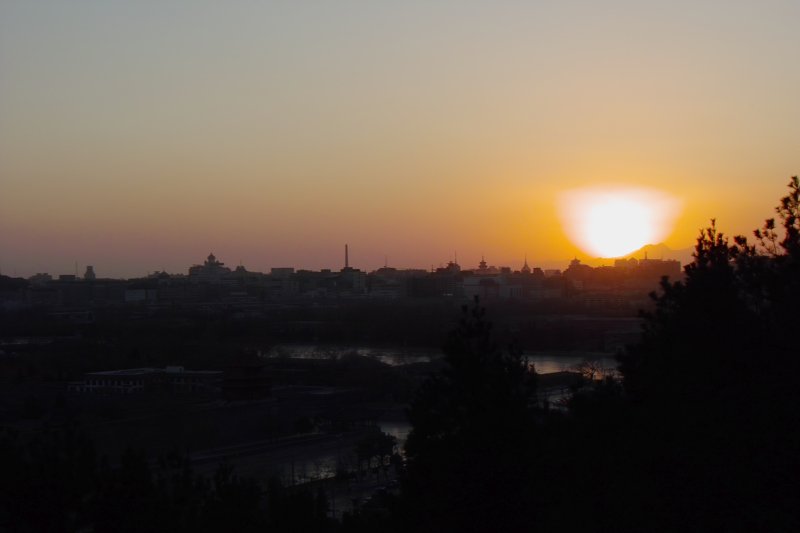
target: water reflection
398 430
601 363
389 356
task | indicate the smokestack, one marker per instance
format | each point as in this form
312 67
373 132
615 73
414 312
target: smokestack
346 257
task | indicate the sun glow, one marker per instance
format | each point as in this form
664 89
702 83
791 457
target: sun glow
606 222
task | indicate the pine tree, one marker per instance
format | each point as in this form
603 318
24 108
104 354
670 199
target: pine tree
713 381
472 433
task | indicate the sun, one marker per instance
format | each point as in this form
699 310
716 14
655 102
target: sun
612 222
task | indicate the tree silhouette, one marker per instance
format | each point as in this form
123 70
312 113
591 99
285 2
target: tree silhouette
713 383
472 433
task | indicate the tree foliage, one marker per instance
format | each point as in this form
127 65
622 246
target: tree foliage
55 482
713 381
472 432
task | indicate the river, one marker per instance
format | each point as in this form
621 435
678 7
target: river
545 362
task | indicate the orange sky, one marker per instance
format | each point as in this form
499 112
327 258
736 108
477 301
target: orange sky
139 137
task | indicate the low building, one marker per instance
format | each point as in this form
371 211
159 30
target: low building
174 379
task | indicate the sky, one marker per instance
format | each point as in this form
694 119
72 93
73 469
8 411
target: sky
140 136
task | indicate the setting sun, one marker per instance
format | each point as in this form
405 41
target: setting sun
608 222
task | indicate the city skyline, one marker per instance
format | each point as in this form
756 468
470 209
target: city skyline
134 138
78 268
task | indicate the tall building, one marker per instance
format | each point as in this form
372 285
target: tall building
351 279
525 268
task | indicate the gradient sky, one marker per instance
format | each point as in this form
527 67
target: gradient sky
137 136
